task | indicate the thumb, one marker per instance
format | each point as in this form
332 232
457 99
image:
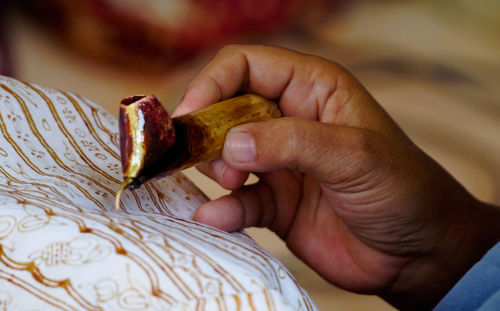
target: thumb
326 151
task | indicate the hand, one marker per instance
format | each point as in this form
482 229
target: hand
350 194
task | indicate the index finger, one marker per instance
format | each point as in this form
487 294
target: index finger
306 86
263 70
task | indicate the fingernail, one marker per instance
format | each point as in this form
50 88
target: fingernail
239 146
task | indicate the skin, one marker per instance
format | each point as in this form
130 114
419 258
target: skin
339 181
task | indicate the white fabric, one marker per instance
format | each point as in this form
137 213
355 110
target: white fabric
63 247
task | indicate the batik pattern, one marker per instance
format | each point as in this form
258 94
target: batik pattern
63 247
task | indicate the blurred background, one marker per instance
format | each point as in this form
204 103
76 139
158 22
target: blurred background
433 64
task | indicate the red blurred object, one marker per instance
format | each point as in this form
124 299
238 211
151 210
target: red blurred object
5 63
3 54
162 31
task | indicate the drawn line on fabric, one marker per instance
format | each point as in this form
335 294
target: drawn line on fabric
44 143
41 278
26 160
13 279
70 137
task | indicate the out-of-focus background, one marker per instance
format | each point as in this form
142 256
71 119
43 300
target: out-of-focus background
433 64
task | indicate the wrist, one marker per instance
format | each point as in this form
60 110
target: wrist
468 239
471 230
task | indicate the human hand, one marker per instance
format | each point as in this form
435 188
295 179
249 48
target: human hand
350 194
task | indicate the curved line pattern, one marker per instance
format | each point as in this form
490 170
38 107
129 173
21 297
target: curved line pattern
174 259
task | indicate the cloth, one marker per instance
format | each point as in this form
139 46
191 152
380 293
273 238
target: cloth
63 247
479 288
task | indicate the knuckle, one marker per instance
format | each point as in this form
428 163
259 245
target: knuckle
365 150
328 66
231 49
292 130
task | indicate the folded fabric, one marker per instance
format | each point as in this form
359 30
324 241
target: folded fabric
63 247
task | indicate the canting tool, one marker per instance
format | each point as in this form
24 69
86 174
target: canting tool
153 145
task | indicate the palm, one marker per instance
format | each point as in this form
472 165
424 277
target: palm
319 237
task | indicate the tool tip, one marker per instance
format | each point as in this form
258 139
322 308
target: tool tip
117 199
124 186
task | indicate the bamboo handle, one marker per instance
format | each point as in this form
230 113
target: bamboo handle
206 128
153 145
